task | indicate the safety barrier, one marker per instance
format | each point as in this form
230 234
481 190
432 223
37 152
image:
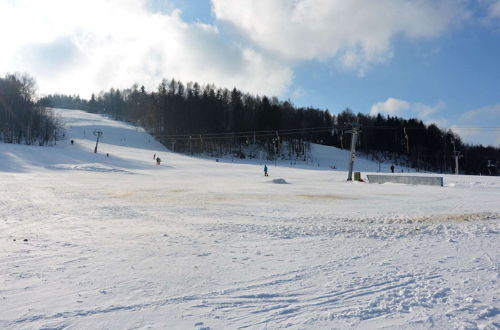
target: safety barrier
406 179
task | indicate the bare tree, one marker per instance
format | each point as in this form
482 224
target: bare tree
22 119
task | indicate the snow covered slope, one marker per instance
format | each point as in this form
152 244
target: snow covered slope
91 242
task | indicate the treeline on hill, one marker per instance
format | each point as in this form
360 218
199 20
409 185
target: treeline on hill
204 119
22 120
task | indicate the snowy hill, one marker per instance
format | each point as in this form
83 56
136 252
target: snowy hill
131 148
126 144
91 241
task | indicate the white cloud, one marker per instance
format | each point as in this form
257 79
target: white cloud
391 106
491 15
478 136
490 113
472 128
494 10
358 32
83 46
298 92
397 107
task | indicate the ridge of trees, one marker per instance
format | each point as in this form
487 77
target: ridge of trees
22 119
204 119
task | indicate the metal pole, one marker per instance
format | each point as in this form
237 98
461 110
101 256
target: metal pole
456 154
275 152
97 133
354 139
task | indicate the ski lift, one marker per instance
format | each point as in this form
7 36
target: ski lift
98 133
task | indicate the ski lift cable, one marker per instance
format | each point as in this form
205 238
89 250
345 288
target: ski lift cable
326 129
293 130
225 137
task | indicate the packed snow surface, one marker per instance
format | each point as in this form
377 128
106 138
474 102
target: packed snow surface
90 241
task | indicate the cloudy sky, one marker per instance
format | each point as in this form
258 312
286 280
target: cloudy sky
438 60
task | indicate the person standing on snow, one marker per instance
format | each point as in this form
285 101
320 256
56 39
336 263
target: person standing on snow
265 170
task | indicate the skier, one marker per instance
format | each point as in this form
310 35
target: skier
265 170
158 160
392 168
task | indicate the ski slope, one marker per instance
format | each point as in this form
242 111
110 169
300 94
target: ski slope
95 242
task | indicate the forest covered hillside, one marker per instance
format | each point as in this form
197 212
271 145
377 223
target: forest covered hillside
195 119
22 119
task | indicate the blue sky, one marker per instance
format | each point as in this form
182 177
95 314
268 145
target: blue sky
435 60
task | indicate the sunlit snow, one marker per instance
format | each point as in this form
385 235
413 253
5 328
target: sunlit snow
91 241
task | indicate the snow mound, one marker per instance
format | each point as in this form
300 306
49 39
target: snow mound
279 181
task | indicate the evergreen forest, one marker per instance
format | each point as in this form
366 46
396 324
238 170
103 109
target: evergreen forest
194 119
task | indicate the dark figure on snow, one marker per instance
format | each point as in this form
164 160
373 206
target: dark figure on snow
392 168
154 156
72 142
158 160
265 170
